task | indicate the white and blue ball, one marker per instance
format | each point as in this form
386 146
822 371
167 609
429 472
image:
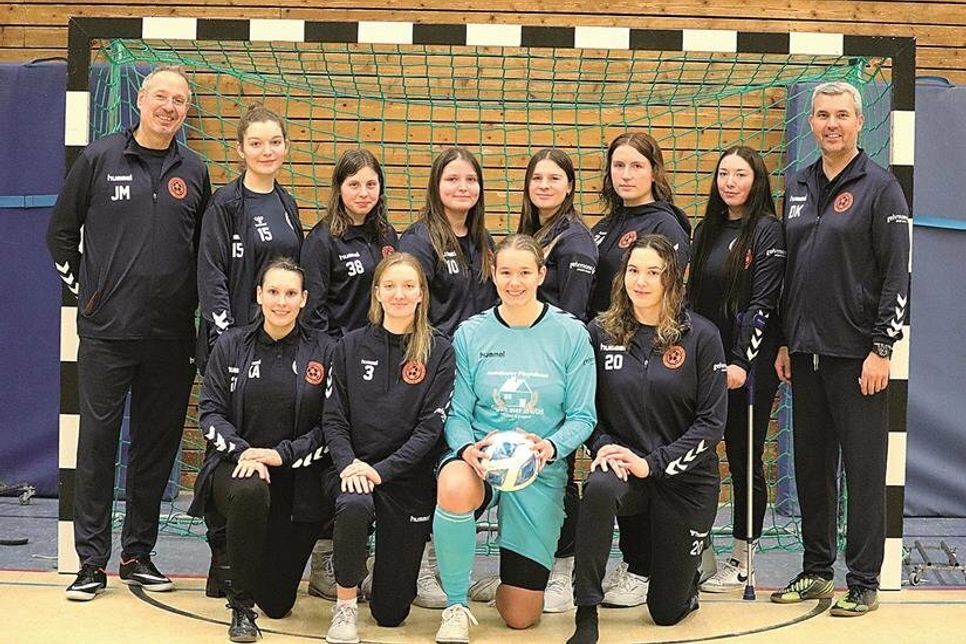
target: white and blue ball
512 464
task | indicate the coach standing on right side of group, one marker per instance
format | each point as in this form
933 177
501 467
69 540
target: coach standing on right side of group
139 198
846 289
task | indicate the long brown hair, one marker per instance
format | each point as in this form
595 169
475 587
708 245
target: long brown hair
339 219
440 232
530 215
420 339
619 322
649 147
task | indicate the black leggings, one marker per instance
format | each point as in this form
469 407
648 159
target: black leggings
403 513
672 519
267 551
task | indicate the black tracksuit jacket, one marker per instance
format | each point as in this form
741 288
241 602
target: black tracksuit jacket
338 276
847 274
385 412
227 271
136 276
760 285
455 291
221 416
571 265
670 407
616 233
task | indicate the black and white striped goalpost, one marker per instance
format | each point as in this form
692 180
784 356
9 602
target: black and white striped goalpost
900 50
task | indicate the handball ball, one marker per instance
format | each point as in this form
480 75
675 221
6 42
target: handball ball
512 463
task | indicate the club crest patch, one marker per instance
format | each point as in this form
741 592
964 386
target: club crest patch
177 187
314 373
842 202
674 357
387 250
413 372
627 239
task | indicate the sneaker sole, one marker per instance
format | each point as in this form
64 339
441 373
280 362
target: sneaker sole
566 608
342 640
841 612
616 604
83 595
154 588
722 588
315 592
423 602
797 600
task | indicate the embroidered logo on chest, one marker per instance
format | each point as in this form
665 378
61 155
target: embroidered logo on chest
842 202
177 187
387 250
674 357
413 372
628 239
314 373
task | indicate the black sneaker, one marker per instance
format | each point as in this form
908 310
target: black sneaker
140 571
856 603
91 582
243 627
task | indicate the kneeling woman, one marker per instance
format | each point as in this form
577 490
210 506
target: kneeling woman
661 402
389 386
542 355
259 410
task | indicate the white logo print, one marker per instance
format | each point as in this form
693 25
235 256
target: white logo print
254 371
895 324
795 211
121 193
679 465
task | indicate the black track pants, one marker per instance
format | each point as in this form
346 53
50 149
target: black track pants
267 551
158 374
831 414
672 519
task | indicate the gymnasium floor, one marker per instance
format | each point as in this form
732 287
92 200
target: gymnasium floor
33 607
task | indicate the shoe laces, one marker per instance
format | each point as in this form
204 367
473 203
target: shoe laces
557 583
629 582
802 582
457 613
855 595
343 613
246 611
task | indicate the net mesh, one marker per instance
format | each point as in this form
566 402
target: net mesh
407 102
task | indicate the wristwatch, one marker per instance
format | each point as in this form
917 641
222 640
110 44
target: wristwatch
882 349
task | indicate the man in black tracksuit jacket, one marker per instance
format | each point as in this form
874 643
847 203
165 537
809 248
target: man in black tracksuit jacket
389 415
270 538
139 198
844 301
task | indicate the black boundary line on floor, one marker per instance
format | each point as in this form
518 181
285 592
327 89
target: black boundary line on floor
822 606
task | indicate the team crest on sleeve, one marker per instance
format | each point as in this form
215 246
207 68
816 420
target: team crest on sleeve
674 357
177 187
314 373
413 372
628 239
387 250
842 202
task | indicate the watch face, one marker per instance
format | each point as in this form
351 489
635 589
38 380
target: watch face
882 350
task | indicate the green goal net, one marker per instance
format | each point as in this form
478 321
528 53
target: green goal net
407 102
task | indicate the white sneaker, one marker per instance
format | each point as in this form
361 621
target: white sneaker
429 594
729 577
559 595
484 590
613 577
343 629
628 590
322 579
454 627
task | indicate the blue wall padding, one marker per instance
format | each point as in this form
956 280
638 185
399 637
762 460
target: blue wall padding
935 485
31 163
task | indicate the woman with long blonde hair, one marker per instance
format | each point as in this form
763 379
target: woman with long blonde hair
389 386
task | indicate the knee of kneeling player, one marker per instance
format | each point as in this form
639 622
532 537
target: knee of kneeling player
389 617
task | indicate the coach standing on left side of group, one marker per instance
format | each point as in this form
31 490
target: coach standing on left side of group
139 198
846 289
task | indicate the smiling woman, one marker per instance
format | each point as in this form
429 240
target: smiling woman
249 222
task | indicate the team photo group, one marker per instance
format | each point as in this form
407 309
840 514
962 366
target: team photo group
369 394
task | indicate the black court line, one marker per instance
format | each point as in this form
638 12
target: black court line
822 606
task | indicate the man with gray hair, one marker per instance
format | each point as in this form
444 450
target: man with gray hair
844 300
139 198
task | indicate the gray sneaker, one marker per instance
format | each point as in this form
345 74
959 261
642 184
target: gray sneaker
484 590
322 579
729 577
429 593
343 629
454 627
628 590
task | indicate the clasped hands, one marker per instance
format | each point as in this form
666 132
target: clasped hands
256 460
621 461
